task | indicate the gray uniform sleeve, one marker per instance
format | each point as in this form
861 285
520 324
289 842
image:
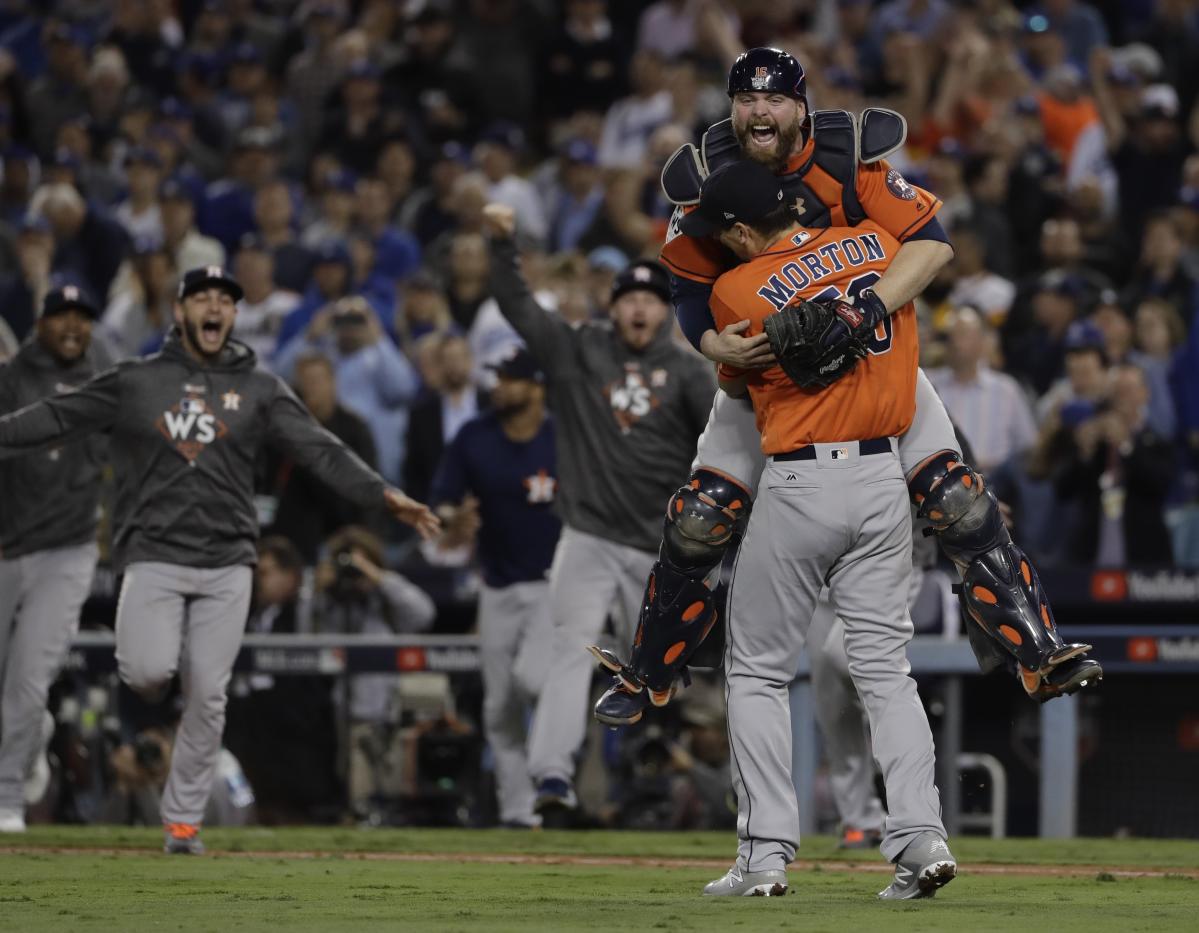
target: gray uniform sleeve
293 430
549 338
701 388
62 418
411 608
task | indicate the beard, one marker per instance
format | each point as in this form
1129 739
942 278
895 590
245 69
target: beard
775 158
193 335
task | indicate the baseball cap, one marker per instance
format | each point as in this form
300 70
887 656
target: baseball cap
609 258
581 151
1083 335
173 190
143 155
64 298
258 137
504 133
1159 100
203 277
332 250
517 363
643 275
739 192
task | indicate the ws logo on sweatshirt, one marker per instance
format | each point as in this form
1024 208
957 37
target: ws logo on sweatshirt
191 426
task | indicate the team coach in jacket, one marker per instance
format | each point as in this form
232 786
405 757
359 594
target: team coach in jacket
187 425
47 535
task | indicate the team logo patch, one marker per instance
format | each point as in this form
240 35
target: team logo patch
190 426
761 78
631 399
231 400
540 487
840 453
899 187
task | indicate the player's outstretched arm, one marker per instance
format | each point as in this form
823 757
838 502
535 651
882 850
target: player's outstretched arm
293 429
62 418
549 338
914 266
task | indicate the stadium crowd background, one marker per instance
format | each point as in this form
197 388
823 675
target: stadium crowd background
337 157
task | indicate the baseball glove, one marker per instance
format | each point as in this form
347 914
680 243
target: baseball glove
816 342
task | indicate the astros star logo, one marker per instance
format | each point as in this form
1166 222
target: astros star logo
231 401
540 486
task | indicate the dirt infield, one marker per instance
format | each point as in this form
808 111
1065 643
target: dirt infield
481 858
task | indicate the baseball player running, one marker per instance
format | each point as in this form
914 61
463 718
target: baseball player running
833 508
833 172
628 405
499 475
187 427
48 547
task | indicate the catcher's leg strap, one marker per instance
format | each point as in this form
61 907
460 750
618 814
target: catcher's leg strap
680 607
1000 590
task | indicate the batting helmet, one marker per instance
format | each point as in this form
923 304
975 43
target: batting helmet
764 69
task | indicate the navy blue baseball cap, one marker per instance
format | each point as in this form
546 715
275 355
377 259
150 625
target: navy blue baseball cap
203 277
644 275
518 363
739 192
64 298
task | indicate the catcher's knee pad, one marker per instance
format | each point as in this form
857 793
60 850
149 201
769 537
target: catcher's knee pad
680 606
1000 590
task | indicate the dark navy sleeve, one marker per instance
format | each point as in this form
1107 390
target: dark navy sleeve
450 483
691 308
930 231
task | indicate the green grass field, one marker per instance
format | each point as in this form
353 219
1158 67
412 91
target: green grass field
68 879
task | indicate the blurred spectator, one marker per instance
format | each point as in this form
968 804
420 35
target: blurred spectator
429 212
140 213
469 267
1160 271
263 307
1038 355
989 407
579 196
374 379
142 311
22 290
496 155
422 310
434 73
88 245
59 94
975 285
357 125
1087 378
187 245
313 73
273 216
397 253
228 210
1158 335
330 281
672 27
1079 25
139 31
455 400
1120 473
357 595
986 179
585 67
283 729
509 35
335 210
396 169
631 121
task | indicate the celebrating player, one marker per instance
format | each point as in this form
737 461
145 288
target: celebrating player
629 404
499 476
833 508
47 536
187 427
833 172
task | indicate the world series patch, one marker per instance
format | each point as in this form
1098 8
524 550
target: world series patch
899 187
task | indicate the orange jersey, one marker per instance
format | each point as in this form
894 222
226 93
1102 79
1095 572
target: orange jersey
877 399
897 207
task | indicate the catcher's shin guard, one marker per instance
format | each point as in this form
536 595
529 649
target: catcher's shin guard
680 606
1000 589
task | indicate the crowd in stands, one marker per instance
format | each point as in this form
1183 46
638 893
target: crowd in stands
336 156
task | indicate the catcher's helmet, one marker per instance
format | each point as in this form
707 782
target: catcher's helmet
765 69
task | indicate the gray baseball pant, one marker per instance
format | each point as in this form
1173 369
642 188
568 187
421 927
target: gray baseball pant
844 519
731 444
40 598
589 576
514 638
188 620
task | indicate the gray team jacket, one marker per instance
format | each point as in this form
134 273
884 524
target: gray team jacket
184 441
627 422
48 499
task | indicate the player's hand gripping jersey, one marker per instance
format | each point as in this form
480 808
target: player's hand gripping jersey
878 398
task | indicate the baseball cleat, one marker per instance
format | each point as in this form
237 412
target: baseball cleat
182 839
1063 679
925 865
620 706
555 794
11 821
738 883
859 839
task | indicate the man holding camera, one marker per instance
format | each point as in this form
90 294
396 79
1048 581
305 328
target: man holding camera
47 536
188 425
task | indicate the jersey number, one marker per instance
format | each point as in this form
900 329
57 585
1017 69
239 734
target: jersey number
880 340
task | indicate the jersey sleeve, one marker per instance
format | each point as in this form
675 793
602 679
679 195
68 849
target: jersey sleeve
890 201
700 260
723 315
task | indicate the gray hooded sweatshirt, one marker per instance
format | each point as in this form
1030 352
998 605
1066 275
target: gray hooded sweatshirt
48 499
184 441
627 421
